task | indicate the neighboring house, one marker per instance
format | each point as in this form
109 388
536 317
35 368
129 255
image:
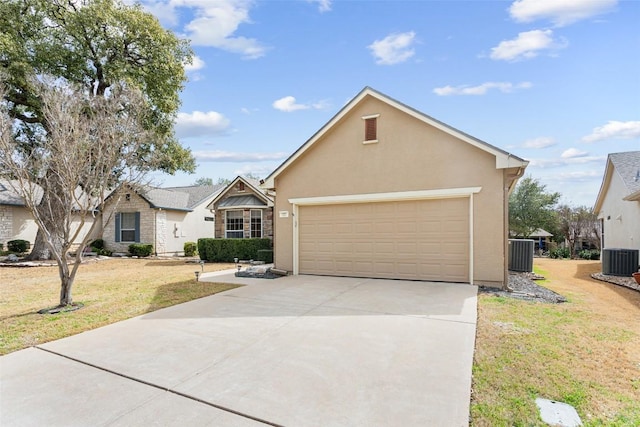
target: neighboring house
385 191
539 236
163 217
242 210
618 203
16 221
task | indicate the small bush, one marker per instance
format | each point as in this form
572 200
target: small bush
265 255
225 250
190 248
590 254
140 249
19 246
559 253
97 244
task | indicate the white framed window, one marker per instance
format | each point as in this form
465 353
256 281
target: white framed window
128 227
234 224
256 223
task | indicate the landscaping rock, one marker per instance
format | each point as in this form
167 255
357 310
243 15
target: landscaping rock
523 287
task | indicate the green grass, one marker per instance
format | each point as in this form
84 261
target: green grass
543 355
110 290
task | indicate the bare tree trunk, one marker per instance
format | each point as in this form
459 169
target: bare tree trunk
41 249
65 288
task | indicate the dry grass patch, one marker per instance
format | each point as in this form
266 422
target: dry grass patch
585 352
111 290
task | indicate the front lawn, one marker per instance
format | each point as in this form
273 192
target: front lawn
585 352
111 290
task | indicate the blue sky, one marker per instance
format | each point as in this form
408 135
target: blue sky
554 82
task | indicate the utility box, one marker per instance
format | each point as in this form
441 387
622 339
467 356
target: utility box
521 255
619 262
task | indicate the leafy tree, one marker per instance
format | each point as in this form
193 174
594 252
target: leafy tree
531 207
203 181
94 44
223 181
89 138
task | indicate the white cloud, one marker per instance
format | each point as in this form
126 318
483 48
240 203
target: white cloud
257 170
196 64
237 157
323 5
200 123
394 48
289 104
215 23
504 87
614 130
572 153
542 142
578 176
527 45
560 12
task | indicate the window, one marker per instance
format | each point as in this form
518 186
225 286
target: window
128 227
234 224
256 223
371 128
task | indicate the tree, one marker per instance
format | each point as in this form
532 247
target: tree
93 143
203 181
94 44
531 207
578 224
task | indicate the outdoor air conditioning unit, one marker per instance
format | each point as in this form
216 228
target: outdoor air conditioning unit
619 262
521 255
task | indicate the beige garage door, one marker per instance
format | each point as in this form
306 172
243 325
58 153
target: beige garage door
424 240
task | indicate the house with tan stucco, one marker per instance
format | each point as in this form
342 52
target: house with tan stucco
618 203
386 191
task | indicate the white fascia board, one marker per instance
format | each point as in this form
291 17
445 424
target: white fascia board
399 196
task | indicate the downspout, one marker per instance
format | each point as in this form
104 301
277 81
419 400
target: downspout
155 231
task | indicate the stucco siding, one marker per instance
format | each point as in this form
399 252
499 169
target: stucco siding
621 218
410 156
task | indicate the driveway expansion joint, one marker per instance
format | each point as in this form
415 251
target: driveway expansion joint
159 387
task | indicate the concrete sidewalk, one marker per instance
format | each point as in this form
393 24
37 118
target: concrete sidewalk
295 351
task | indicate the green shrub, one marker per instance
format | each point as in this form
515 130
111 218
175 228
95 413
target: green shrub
19 246
265 255
225 250
140 249
590 254
190 248
559 253
97 245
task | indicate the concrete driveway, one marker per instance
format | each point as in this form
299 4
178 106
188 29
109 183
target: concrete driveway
294 351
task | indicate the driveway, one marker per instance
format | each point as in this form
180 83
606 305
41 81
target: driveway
294 351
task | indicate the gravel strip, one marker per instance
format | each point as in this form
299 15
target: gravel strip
627 282
523 287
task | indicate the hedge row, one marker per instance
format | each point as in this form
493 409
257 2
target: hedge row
225 250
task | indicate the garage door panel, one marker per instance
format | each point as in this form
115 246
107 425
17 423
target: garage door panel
427 240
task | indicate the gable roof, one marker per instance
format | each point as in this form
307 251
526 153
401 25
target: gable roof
179 198
259 195
627 166
503 159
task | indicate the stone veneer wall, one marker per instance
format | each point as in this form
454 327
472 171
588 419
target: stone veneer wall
267 216
147 222
6 224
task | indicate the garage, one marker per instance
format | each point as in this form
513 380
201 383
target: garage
415 239
385 191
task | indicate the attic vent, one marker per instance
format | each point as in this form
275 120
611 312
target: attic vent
371 128
241 186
